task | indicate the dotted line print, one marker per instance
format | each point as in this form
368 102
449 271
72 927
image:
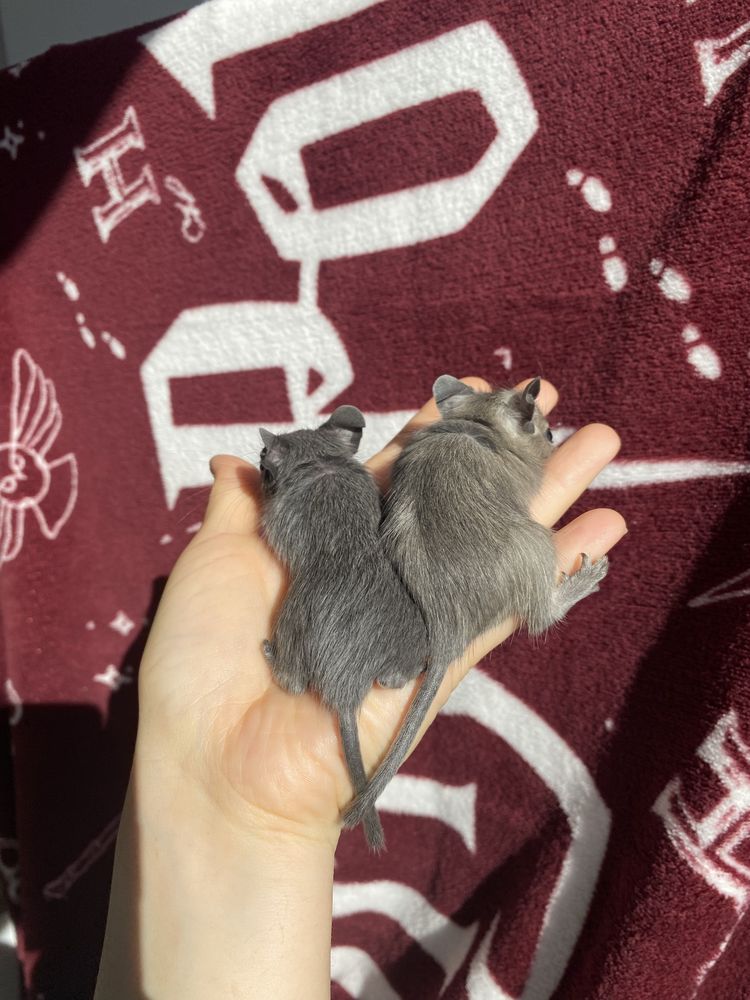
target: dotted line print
598 197
70 288
675 287
672 284
190 530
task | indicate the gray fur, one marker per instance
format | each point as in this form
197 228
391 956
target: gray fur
346 620
457 528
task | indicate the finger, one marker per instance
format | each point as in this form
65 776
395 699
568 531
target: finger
571 469
381 463
594 532
234 502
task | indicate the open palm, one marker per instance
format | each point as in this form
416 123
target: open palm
209 709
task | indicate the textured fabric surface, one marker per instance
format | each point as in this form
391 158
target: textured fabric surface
257 211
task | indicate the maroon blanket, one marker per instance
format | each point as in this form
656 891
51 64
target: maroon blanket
260 210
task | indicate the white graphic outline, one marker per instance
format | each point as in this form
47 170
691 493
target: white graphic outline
564 773
296 336
444 940
720 592
229 28
58 888
715 66
103 157
709 843
471 58
480 983
193 226
35 422
355 971
453 805
625 473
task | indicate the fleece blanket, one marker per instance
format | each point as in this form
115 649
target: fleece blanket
256 211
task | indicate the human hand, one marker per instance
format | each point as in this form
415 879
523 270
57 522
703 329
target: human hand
271 763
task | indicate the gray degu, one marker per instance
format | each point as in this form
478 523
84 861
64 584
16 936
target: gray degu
384 591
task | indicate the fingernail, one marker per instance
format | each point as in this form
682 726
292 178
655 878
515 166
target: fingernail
211 467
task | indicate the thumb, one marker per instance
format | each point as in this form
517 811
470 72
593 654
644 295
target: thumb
234 503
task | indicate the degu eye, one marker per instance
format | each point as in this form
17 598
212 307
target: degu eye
548 434
263 454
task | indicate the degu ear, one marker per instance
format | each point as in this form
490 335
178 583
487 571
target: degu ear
270 459
267 438
448 392
531 391
347 423
526 403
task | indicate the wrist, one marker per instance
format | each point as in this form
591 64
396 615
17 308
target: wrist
204 796
204 905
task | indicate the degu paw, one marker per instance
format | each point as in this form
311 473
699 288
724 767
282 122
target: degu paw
586 581
394 679
269 652
592 572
